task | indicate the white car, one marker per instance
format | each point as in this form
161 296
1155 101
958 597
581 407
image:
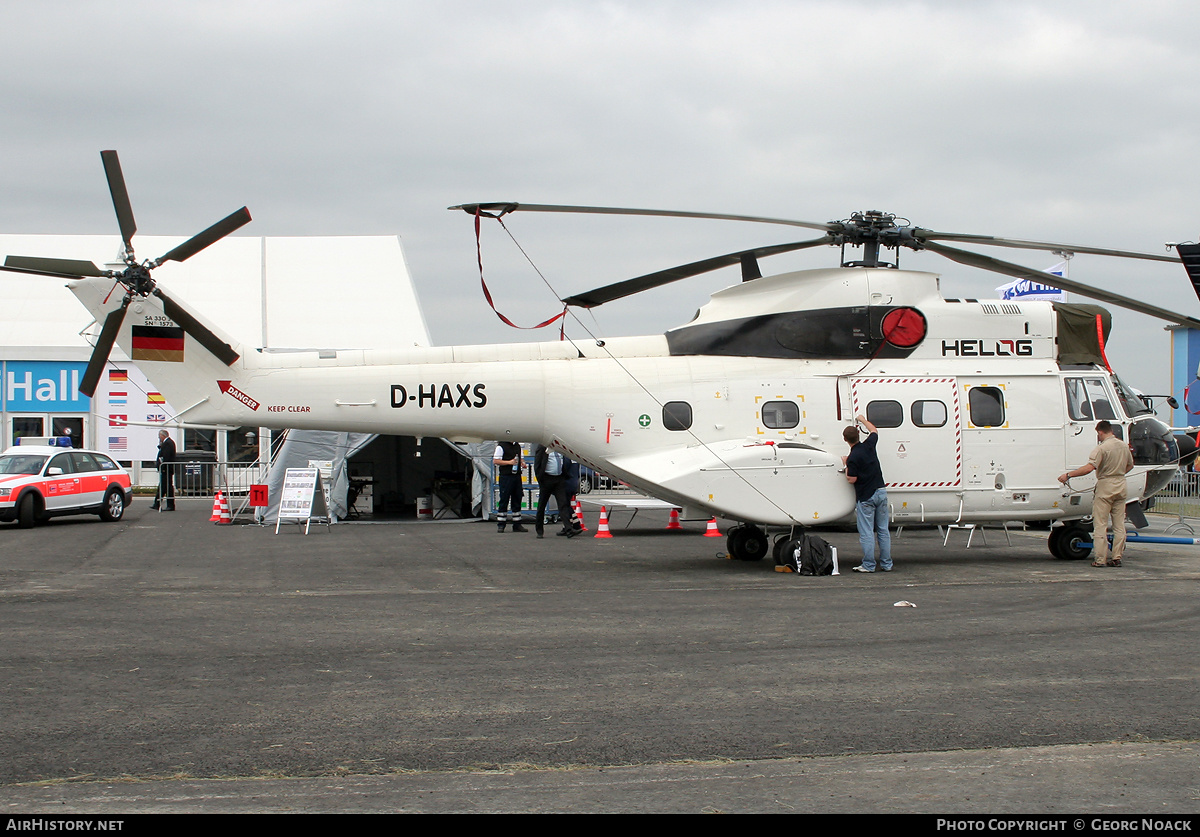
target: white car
39 482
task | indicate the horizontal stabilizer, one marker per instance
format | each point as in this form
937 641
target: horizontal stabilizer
1189 254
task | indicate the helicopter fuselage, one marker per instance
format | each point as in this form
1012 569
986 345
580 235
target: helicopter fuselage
738 413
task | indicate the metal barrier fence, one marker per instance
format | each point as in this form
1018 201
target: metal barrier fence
1181 498
204 479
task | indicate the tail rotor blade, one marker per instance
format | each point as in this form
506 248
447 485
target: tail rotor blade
120 197
199 332
108 336
210 236
63 268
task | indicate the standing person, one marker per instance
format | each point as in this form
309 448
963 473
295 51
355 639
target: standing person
509 465
871 500
166 473
1111 460
550 468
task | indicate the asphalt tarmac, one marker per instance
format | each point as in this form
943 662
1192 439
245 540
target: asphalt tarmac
164 663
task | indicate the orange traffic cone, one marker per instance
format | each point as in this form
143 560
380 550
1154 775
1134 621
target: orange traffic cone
712 531
673 523
579 515
216 514
225 516
602 529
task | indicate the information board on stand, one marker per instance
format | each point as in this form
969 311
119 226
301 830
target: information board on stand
303 498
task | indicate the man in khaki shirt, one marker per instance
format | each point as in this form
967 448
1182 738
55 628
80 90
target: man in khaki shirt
1111 460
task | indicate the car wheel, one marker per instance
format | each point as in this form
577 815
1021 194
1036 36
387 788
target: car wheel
26 512
585 485
114 506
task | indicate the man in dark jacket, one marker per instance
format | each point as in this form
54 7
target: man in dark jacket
551 468
166 472
870 494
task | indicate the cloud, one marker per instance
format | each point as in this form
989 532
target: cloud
1069 121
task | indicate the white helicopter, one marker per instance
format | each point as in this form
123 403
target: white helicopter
739 413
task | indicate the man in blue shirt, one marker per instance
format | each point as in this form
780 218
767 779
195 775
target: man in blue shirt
871 501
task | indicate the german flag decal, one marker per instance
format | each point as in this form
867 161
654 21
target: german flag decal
158 343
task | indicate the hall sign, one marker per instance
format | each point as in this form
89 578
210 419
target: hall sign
43 386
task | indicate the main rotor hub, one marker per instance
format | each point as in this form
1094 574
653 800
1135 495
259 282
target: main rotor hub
137 280
871 230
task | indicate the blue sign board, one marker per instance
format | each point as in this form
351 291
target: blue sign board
43 386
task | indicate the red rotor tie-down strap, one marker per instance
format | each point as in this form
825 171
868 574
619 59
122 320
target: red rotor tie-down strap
1100 340
488 294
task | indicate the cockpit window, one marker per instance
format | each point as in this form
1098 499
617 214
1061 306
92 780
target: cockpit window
1089 400
1134 406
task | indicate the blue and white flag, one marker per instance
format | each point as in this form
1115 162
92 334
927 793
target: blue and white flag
1028 289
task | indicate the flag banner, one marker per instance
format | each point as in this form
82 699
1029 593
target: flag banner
163 343
1028 289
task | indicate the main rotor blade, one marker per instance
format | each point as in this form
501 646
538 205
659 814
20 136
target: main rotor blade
210 236
599 296
104 344
993 241
504 208
199 331
120 197
63 268
1009 269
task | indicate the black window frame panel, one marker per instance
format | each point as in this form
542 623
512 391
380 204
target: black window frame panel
677 415
912 413
780 414
894 417
995 402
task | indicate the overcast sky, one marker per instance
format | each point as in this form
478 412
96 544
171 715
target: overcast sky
1062 121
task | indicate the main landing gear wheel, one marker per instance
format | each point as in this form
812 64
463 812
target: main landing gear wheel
747 543
1064 542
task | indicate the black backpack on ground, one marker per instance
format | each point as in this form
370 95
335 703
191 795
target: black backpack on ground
807 555
816 556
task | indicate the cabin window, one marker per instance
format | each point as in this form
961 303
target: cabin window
780 414
987 406
928 413
677 415
885 413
